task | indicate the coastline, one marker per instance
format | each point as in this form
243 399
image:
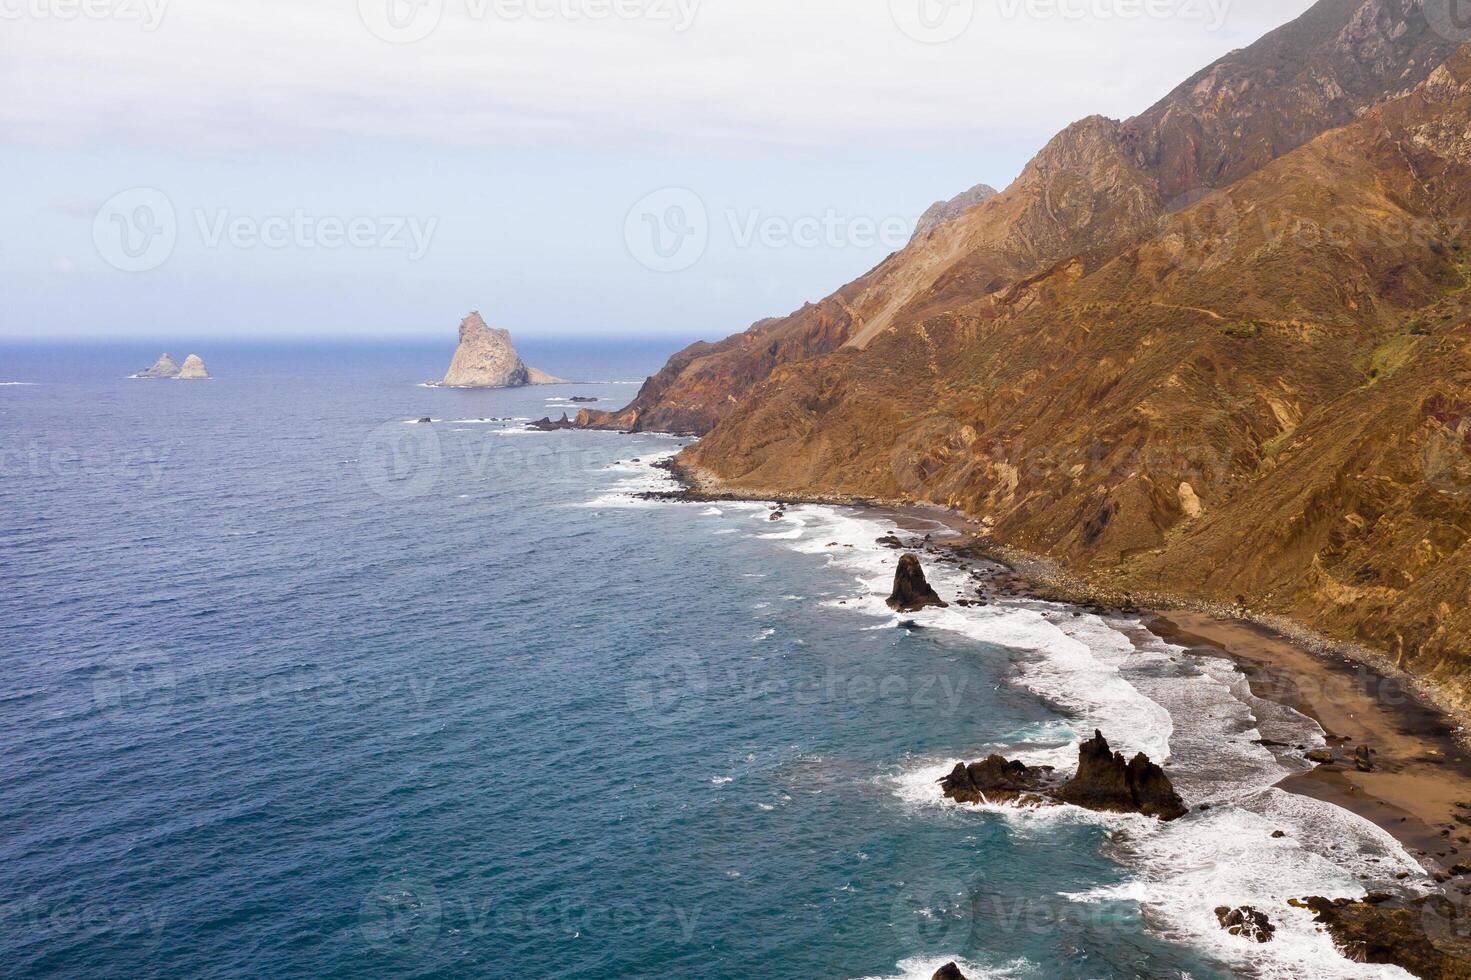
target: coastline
1420 789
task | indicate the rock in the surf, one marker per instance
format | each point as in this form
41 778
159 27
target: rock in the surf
1103 782
948 972
547 425
912 592
1428 937
1246 922
192 369
1364 759
996 780
164 367
1106 782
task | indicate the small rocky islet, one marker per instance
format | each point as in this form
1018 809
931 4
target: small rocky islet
165 368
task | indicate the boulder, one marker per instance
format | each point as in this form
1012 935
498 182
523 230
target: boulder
1364 759
1247 923
1322 757
948 972
912 591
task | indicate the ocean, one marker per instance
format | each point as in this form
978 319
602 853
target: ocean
299 687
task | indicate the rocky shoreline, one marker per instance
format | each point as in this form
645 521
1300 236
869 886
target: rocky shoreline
1417 933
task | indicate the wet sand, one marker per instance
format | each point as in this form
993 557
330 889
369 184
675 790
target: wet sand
1420 789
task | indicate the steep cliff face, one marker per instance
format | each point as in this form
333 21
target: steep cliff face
486 358
1096 189
1269 396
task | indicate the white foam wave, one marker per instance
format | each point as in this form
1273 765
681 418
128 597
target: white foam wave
1195 713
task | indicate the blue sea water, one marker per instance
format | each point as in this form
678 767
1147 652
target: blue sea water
295 687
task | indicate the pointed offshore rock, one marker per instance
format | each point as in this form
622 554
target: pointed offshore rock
912 591
164 367
486 359
1105 782
192 370
948 972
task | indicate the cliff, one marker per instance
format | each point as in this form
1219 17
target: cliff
1222 350
486 358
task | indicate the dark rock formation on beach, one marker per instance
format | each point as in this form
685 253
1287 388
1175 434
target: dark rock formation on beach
1429 937
547 425
1247 923
1103 782
997 780
948 972
1364 759
912 592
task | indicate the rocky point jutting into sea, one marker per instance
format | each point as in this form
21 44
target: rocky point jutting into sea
1217 353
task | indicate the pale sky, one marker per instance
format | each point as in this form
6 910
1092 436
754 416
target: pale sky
329 167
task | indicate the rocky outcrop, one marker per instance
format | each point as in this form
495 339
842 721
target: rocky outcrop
1429 937
1246 922
912 591
948 972
192 369
942 212
487 359
164 367
547 425
1103 782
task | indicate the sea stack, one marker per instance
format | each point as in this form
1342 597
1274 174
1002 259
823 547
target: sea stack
486 359
192 370
948 972
912 591
1106 782
164 367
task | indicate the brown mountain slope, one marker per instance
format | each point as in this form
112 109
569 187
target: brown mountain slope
1270 396
1095 188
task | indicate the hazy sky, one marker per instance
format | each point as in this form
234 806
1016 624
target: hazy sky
180 168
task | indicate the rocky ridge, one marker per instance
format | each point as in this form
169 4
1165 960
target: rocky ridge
1221 350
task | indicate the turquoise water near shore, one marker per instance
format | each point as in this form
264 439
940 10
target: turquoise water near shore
296 687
